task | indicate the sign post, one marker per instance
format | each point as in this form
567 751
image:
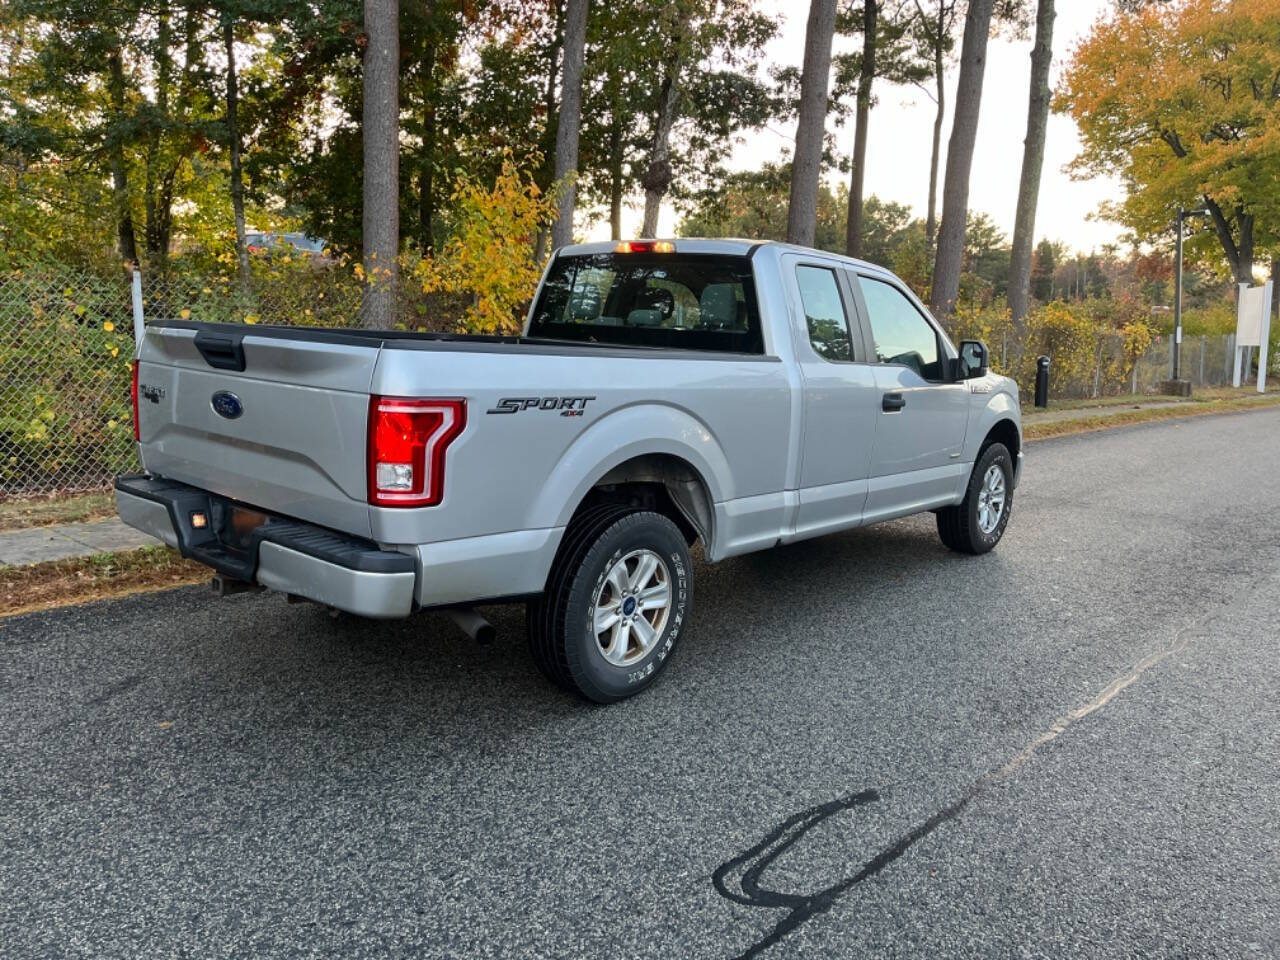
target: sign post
139 324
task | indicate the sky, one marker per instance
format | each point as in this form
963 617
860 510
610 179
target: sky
901 131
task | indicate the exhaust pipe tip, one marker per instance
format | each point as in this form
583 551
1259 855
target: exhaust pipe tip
472 624
228 586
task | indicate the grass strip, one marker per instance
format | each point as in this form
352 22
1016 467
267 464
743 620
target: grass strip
17 514
1061 428
56 583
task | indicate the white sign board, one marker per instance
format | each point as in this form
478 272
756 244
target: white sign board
1253 328
1252 314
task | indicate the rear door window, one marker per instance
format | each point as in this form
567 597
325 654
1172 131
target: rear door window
824 313
690 301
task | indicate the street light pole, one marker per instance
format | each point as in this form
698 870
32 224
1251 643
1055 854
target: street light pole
1177 290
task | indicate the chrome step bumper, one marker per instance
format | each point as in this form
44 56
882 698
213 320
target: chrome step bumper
277 552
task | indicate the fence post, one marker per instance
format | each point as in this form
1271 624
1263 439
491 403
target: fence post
1133 377
1202 340
139 320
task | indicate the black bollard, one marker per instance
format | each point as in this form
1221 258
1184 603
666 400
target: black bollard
1042 381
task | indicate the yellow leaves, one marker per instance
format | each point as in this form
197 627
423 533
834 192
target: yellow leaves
108 326
1178 100
184 313
111 424
250 318
115 351
489 257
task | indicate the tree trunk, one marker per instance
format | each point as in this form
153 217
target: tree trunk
939 80
545 173
381 192
1032 165
657 177
616 187
156 177
853 227
570 120
426 163
233 145
1244 270
1239 254
806 166
964 134
127 239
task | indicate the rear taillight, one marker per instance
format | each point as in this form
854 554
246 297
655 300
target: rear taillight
408 437
133 394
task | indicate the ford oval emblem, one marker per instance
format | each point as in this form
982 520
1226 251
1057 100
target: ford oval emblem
226 404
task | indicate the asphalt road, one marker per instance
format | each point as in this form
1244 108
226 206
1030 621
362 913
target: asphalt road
865 746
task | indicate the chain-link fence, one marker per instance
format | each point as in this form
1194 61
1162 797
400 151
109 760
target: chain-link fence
303 296
1205 361
67 341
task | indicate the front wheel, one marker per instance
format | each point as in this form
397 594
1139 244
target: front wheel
978 522
616 602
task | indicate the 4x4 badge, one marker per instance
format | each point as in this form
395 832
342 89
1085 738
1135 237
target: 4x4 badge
566 406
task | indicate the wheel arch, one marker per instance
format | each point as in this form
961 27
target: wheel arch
1003 431
675 459
662 482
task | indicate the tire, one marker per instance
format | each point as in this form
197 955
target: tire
961 527
599 574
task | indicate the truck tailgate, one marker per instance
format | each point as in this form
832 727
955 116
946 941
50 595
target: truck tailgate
287 432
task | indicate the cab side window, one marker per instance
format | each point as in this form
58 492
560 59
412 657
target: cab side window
902 335
824 313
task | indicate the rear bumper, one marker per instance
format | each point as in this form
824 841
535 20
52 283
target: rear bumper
287 555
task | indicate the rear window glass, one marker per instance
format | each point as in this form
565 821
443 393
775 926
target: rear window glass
693 301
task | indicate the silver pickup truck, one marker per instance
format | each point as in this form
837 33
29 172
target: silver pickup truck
735 393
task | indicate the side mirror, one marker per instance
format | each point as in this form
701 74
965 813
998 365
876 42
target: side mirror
973 360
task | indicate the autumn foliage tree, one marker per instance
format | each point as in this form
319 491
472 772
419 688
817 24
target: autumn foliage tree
1183 103
486 260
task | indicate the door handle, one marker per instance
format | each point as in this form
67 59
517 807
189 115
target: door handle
893 402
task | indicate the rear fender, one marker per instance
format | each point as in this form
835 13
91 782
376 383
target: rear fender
634 431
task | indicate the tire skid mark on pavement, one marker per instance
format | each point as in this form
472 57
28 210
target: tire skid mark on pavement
803 907
117 689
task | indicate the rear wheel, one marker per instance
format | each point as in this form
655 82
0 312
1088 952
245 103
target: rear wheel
616 601
978 522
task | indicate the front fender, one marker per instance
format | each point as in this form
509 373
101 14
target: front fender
1000 405
619 436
